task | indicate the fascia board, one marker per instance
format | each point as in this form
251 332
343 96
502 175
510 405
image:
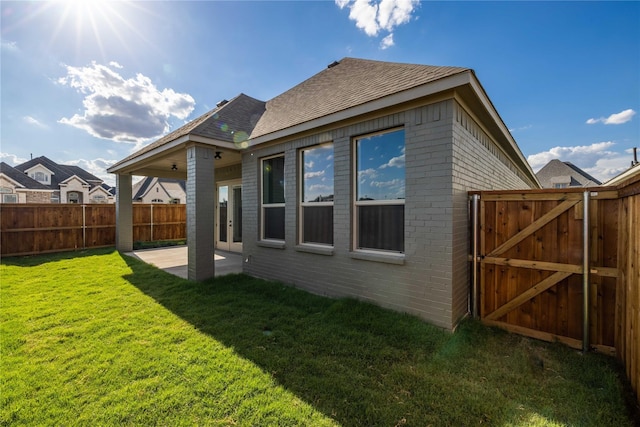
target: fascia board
428 89
16 183
39 166
82 181
176 143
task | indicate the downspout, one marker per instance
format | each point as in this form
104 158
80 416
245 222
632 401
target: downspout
585 273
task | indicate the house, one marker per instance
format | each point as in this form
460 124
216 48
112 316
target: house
353 183
50 182
17 187
559 174
159 190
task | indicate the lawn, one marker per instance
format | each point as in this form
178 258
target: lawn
97 338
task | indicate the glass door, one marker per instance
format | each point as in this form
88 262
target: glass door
229 216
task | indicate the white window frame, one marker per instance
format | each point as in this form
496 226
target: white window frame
264 206
302 204
7 196
357 203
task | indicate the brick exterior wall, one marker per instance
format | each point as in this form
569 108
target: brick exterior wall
431 281
478 164
38 196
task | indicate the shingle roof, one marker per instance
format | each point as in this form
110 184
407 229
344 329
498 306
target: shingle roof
349 83
557 171
232 121
60 172
21 178
147 181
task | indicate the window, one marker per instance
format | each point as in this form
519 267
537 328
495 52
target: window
41 177
316 199
157 201
99 198
9 198
379 191
73 197
273 198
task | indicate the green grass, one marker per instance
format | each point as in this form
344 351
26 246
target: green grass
98 338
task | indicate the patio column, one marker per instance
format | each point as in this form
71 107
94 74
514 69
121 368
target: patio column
124 214
200 212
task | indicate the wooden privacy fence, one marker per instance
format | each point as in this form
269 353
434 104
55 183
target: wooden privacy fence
27 229
549 268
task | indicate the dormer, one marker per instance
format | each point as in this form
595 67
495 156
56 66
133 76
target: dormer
40 174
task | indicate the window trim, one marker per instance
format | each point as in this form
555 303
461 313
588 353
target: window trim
277 242
316 247
371 254
13 196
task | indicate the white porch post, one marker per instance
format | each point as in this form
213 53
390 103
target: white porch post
200 212
124 214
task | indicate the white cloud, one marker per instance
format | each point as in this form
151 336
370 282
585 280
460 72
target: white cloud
598 159
34 122
123 110
367 173
395 162
11 159
9 46
317 174
375 16
614 119
387 42
385 184
97 167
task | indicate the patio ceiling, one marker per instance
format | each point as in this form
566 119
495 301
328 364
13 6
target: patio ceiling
161 161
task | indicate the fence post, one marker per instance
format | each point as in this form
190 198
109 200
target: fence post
84 227
585 272
474 289
152 222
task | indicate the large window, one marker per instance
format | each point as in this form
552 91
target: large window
379 191
316 201
273 198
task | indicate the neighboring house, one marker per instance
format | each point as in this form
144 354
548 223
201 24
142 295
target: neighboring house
159 190
64 183
353 183
558 174
16 187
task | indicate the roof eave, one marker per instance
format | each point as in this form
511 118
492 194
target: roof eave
128 166
484 98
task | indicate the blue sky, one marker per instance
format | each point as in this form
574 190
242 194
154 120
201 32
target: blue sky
564 77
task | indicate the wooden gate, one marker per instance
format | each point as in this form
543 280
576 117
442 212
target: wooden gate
535 264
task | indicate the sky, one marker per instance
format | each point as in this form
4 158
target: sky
88 82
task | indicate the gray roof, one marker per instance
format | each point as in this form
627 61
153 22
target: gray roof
231 121
144 186
343 85
21 178
558 172
60 172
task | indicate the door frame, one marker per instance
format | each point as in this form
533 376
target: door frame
229 245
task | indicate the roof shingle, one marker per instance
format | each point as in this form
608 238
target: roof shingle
349 83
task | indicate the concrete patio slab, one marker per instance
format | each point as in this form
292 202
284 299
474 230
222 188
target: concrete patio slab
174 260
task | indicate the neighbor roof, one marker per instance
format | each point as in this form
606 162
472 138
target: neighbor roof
21 178
343 85
557 171
60 172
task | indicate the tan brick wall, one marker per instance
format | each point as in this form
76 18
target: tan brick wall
38 197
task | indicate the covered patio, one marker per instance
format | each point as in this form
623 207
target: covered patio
174 260
204 152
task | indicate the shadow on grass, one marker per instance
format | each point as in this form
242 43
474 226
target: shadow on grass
363 365
39 259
